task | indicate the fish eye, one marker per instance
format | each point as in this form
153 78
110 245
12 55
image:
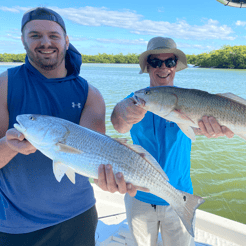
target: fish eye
147 92
31 118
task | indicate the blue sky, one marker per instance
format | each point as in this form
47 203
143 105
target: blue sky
115 27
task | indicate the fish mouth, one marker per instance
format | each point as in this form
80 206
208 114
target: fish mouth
19 127
138 101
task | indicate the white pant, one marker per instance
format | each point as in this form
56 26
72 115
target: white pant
144 223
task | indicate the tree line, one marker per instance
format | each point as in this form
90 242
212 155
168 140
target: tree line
100 58
226 57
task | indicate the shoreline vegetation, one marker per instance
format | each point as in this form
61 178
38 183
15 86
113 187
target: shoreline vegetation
233 57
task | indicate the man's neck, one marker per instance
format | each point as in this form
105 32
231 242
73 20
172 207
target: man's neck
59 72
55 74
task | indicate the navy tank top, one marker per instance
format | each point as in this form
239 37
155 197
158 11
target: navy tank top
33 198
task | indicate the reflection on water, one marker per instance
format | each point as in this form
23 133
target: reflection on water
219 173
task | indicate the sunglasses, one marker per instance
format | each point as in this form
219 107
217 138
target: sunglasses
170 62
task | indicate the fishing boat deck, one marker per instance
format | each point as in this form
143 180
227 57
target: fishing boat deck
112 229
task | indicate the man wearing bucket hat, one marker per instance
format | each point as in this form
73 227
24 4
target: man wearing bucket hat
146 213
35 209
161 45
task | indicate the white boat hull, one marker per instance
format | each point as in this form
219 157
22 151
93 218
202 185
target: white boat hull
112 229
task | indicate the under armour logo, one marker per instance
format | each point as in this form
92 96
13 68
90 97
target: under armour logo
76 105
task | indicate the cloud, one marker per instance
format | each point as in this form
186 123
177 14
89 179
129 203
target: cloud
13 47
135 23
13 37
15 31
16 9
13 34
182 30
139 41
91 16
13 10
123 41
74 38
195 46
241 23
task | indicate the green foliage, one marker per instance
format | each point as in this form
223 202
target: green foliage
226 57
100 58
105 58
12 57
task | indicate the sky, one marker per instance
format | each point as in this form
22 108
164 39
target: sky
114 27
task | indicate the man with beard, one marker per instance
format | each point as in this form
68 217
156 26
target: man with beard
35 209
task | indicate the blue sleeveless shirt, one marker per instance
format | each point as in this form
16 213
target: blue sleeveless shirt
33 198
170 147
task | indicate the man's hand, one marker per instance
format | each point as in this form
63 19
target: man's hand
107 181
125 114
210 128
16 141
130 112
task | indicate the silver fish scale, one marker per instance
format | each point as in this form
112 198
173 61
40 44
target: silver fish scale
196 103
82 150
100 149
230 112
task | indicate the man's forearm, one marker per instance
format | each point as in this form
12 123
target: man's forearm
6 153
120 125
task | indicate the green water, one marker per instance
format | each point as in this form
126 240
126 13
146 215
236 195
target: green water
218 166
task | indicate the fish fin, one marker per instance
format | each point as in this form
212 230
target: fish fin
148 157
186 211
178 117
233 97
121 140
59 170
183 116
68 149
188 131
71 175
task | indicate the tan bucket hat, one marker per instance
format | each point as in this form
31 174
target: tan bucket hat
159 45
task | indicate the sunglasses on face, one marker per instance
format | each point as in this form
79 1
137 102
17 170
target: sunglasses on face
170 62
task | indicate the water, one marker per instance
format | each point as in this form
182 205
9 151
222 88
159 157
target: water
218 166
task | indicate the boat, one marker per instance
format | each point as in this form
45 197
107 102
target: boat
234 3
112 228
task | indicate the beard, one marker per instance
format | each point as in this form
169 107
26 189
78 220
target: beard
47 64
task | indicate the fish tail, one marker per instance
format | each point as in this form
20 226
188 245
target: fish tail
186 212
